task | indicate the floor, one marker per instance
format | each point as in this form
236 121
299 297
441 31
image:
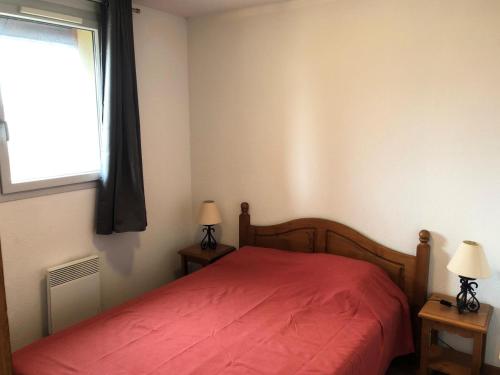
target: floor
403 366
409 366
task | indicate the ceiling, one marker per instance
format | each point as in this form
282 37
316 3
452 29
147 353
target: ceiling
191 8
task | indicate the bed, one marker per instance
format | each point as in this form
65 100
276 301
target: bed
309 296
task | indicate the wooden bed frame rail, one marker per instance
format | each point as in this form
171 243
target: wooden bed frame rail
409 272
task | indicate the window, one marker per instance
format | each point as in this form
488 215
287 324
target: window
49 134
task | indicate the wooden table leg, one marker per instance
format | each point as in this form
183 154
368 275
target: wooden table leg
184 265
477 354
484 349
425 346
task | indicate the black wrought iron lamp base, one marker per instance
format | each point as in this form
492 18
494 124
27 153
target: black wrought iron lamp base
466 299
208 241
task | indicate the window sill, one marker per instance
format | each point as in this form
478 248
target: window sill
47 191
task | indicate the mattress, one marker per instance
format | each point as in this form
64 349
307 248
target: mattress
255 311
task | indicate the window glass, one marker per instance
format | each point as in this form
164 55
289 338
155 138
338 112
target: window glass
48 90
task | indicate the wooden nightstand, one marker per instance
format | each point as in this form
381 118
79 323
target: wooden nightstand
436 317
204 257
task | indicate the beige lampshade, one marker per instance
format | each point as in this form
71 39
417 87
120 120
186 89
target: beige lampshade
209 214
470 261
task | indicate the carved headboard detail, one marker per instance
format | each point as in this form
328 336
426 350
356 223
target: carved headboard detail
299 239
409 272
340 245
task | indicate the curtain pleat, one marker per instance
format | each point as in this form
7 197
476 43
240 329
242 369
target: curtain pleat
121 203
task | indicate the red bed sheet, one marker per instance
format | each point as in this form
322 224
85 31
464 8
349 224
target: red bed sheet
256 311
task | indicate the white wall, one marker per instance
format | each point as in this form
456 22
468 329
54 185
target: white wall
380 114
46 231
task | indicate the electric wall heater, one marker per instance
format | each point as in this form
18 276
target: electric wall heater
73 292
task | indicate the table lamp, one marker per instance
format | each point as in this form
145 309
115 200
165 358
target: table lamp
469 263
209 216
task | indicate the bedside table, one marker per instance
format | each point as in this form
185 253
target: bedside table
204 257
436 317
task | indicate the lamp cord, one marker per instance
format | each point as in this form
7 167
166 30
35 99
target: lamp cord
446 344
443 302
449 304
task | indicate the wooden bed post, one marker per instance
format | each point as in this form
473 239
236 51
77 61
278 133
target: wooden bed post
421 283
244 225
423 257
5 352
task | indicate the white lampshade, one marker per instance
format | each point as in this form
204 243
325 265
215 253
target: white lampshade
470 261
209 214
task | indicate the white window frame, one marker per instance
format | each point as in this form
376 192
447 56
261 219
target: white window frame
12 8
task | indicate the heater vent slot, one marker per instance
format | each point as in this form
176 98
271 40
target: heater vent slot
70 272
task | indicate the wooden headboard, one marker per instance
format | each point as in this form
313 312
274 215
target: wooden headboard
409 272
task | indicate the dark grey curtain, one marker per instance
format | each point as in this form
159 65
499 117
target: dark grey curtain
121 205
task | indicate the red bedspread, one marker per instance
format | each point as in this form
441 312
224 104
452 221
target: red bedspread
256 311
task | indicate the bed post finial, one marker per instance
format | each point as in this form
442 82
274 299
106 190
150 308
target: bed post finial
244 225
424 236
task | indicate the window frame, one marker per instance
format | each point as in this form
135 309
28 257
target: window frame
11 8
